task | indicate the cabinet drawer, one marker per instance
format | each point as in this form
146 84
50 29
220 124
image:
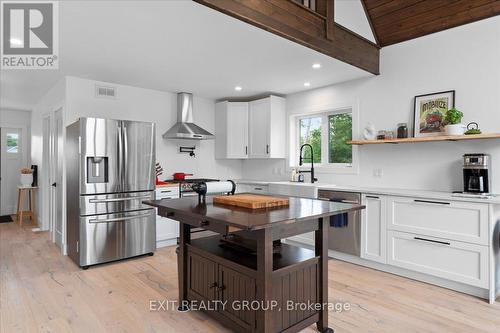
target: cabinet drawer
170 192
460 221
457 261
259 189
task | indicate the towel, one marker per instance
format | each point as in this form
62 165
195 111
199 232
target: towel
339 220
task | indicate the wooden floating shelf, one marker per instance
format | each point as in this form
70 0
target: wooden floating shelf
427 139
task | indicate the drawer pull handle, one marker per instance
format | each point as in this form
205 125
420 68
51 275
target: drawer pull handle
258 188
432 202
117 219
165 191
204 223
372 197
352 202
98 201
431 240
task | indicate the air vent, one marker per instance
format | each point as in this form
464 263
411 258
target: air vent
105 92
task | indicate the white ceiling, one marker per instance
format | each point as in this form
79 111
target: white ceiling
172 46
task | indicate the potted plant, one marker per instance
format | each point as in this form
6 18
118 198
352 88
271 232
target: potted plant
453 120
26 177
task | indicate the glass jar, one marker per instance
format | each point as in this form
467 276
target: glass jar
381 135
402 130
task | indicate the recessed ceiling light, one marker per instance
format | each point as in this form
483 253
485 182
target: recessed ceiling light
238 88
316 65
307 84
16 41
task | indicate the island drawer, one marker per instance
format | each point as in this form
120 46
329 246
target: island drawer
203 223
461 221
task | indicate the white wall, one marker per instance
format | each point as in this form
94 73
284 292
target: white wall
159 107
465 59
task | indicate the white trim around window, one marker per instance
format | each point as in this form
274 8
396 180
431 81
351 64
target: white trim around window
323 111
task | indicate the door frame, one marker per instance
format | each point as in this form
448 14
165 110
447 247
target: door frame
45 173
24 145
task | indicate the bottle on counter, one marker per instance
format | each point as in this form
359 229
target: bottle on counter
293 176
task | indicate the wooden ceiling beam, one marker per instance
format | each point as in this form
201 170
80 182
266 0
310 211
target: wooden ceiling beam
301 25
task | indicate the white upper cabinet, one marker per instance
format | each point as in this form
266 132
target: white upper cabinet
256 129
231 128
267 128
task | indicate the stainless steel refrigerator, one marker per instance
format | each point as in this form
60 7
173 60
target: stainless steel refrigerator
109 172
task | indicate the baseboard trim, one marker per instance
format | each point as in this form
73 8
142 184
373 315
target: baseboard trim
166 242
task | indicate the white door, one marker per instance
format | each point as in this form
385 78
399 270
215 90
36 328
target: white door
373 228
237 130
11 163
56 195
259 128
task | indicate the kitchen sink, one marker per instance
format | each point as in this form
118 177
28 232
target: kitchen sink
306 190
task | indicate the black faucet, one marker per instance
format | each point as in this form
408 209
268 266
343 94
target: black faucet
301 160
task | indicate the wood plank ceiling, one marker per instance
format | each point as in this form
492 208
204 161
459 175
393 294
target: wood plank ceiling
395 21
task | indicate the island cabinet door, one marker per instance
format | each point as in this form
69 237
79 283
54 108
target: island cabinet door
202 276
237 291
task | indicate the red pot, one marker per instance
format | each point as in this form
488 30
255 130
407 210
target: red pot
181 175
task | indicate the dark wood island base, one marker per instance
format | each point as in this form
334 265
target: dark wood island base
264 287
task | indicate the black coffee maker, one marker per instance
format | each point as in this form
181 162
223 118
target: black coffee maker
477 173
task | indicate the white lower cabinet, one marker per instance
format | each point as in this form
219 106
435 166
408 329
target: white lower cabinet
373 228
461 221
452 260
252 188
167 230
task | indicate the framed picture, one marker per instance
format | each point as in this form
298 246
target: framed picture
430 111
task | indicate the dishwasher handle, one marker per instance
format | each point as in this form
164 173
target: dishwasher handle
352 202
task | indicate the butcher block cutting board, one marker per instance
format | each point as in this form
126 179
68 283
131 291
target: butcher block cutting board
251 201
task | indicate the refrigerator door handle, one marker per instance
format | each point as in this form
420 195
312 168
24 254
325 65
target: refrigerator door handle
116 219
120 155
119 199
125 154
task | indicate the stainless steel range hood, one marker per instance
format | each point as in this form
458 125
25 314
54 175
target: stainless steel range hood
185 128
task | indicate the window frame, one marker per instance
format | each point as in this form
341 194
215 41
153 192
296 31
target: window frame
324 112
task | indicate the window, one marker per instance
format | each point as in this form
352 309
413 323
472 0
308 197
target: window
339 132
12 143
310 132
327 133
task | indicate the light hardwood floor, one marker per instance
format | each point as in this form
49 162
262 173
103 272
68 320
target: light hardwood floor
43 291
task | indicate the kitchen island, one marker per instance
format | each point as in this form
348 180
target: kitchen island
249 279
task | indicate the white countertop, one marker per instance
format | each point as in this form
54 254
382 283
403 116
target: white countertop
437 195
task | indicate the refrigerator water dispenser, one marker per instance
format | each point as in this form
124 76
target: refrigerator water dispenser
97 169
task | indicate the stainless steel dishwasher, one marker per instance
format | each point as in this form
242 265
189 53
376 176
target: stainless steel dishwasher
345 239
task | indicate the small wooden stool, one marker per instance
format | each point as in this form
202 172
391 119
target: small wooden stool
31 198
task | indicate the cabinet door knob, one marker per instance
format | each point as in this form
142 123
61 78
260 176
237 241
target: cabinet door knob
213 285
221 288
